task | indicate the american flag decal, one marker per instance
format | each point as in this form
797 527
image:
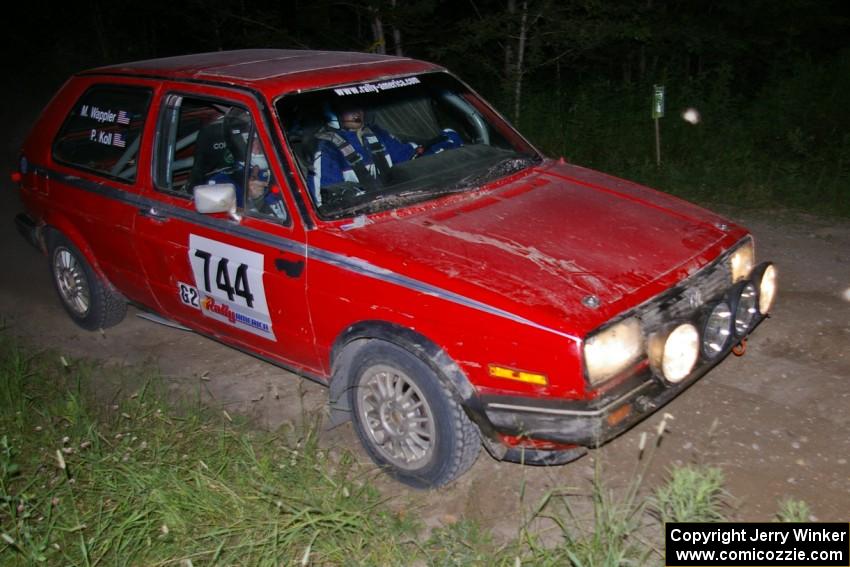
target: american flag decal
123 117
118 140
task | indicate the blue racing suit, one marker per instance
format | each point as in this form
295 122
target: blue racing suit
271 202
342 156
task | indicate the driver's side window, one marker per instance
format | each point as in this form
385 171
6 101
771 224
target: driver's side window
201 143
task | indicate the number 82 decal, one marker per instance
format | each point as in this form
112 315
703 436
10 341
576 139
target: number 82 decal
189 295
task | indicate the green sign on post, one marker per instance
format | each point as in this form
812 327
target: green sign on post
657 112
658 101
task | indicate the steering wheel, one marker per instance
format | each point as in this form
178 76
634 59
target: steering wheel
423 148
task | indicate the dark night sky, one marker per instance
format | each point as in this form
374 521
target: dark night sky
602 40
790 57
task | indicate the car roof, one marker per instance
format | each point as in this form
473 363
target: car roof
279 69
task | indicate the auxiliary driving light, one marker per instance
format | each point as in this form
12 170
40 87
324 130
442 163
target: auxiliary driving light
681 350
744 300
765 277
717 330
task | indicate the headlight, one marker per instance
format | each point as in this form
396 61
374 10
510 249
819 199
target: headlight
765 278
717 330
742 261
680 353
743 300
608 353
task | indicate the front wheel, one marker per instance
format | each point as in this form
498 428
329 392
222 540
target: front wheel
408 421
90 302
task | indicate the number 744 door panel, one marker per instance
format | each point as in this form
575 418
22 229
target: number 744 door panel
239 282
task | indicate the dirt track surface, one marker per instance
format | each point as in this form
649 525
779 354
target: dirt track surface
777 421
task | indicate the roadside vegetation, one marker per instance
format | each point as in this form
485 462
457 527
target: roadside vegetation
97 468
88 481
785 145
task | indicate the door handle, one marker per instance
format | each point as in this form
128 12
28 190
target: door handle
292 268
153 214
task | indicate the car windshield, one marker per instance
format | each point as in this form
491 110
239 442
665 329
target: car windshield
369 147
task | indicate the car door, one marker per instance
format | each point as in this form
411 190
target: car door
237 277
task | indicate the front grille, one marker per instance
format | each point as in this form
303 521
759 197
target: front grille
685 300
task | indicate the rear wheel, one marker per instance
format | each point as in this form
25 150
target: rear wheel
407 420
90 302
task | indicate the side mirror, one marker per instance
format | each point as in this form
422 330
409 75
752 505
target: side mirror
219 198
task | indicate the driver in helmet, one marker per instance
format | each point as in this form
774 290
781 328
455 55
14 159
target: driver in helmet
263 195
350 149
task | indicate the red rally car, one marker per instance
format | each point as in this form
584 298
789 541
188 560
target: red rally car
371 223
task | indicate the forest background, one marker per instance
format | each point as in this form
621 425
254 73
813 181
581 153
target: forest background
769 78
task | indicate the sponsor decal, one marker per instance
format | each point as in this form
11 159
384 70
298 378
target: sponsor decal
210 305
222 309
366 88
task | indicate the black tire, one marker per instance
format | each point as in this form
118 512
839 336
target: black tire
89 301
407 419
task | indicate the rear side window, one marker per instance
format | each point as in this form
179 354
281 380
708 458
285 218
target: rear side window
103 131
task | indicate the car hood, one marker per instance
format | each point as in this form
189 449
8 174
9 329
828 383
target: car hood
562 245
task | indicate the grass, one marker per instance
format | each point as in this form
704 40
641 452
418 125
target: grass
142 483
615 530
91 475
692 494
791 510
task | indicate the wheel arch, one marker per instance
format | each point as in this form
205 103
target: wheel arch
60 224
348 343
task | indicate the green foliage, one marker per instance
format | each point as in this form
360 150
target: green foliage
786 146
791 510
692 494
142 483
612 540
611 534
460 544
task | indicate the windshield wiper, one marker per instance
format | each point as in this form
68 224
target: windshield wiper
374 204
501 168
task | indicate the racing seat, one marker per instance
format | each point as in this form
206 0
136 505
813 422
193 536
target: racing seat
211 154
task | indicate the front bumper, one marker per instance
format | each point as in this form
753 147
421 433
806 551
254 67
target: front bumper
580 423
557 424
588 424
574 423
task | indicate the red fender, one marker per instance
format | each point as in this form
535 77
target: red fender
55 220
